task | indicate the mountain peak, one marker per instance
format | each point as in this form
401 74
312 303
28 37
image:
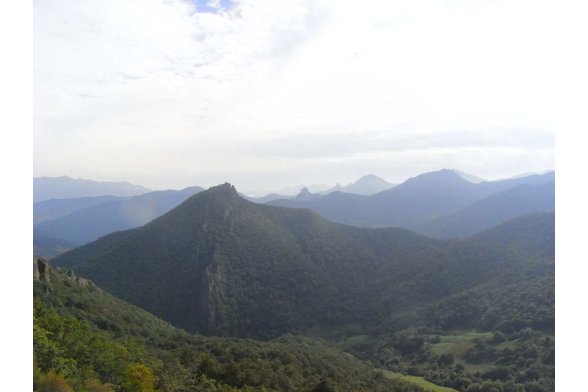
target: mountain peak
225 189
366 185
439 175
305 194
369 177
468 177
64 187
445 180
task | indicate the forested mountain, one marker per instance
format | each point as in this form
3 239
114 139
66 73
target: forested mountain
46 188
492 210
223 265
90 223
220 264
56 208
532 233
412 204
89 340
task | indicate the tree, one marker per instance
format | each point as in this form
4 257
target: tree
138 378
53 382
323 386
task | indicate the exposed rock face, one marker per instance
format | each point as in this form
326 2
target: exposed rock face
85 282
36 273
212 294
40 269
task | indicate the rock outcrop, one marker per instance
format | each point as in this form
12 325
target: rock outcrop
40 268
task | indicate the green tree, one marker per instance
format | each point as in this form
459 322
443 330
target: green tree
138 378
53 382
93 385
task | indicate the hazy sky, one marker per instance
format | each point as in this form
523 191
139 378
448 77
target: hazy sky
266 94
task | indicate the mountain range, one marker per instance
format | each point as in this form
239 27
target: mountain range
366 185
46 188
492 210
439 204
418 202
265 198
55 208
96 220
465 314
222 265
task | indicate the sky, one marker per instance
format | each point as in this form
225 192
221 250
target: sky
267 94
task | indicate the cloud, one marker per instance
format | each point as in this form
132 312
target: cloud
174 93
394 140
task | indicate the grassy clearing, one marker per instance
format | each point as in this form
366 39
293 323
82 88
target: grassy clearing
458 345
421 382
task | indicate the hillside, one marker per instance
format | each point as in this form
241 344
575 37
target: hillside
492 210
56 208
496 334
85 338
222 265
250 269
264 199
87 224
46 188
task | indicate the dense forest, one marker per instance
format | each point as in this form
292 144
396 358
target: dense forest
88 340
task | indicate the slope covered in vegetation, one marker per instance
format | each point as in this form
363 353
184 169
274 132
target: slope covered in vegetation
87 340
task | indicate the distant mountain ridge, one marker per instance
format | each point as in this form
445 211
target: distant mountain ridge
492 210
55 208
427 203
468 177
46 188
264 199
412 204
366 185
305 195
95 221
